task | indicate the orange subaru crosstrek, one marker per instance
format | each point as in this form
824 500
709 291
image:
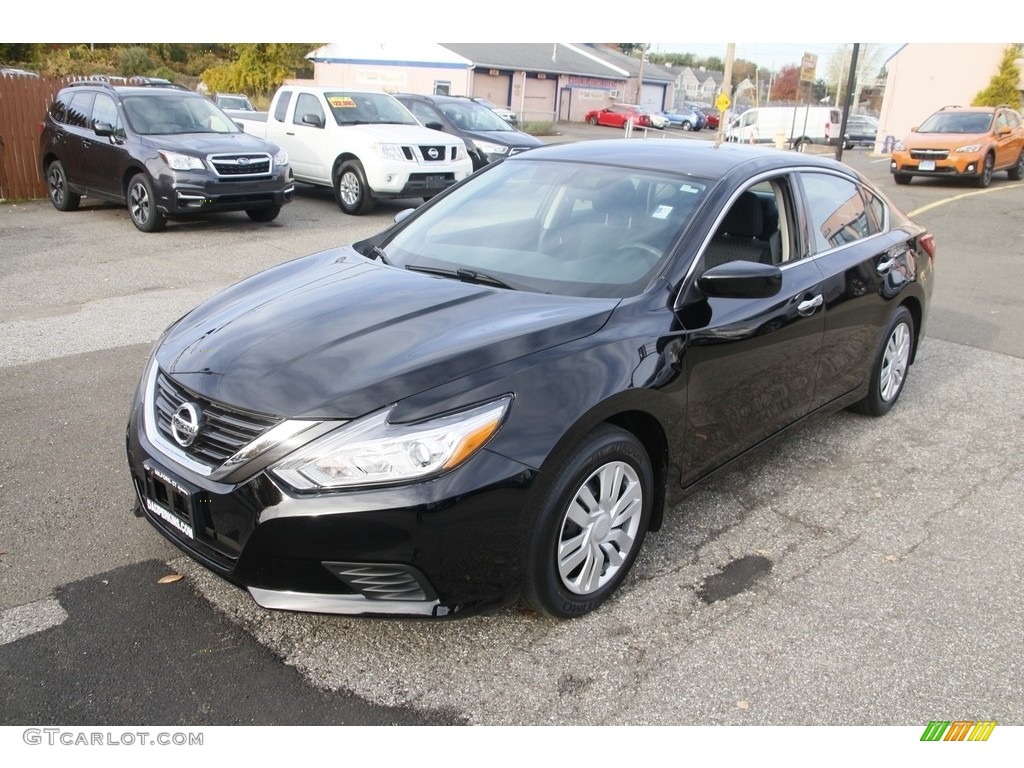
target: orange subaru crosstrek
958 142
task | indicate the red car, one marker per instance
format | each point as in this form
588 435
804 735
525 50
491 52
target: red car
617 115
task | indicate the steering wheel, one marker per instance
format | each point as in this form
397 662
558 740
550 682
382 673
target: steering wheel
649 252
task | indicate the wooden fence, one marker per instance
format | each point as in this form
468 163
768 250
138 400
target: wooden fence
23 105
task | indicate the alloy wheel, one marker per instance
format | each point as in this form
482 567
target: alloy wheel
895 362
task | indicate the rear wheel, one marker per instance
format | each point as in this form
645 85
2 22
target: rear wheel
1016 173
263 215
351 191
985 177
892 362
801 145
61 196
686 126
591 524
142 205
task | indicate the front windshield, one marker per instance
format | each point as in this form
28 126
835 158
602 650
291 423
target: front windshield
471 116
957 122
367 109
234 102
169 114
553 227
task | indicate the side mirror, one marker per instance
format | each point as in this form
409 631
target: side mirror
103 129
315 120
435 126
741 280
403 214
240 126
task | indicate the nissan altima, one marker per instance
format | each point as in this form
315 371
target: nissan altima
504 392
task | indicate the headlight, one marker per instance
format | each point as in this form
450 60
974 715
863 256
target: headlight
490 149
969 148
281 158
371 451
390 151
180 162
899 147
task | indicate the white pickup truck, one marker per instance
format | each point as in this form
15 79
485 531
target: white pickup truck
363 144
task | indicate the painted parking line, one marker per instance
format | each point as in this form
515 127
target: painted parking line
28 619
937 203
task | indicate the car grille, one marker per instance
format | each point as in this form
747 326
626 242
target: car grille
256 164
929 154
435 153
383 581
223 431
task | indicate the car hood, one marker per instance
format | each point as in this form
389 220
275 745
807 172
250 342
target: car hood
399 134
944 140
335 335
211 143
505 138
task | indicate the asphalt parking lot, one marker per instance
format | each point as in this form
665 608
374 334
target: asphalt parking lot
872 567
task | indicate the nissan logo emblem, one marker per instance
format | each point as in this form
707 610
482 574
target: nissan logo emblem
432 153
185 424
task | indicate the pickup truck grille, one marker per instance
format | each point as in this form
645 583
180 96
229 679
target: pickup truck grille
241 165
436 153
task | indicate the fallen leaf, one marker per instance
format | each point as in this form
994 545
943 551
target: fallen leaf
742 704
170 578
764 552
891 558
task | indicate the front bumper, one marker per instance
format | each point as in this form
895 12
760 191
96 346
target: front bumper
955 164
186 192
438 548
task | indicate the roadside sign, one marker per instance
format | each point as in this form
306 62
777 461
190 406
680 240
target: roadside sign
723 102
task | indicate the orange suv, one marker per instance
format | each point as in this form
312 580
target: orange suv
959 142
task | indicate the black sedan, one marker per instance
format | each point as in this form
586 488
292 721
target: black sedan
505 391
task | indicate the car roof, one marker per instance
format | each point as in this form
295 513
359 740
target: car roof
702 159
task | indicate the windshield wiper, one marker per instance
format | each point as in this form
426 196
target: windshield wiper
376 252
465 275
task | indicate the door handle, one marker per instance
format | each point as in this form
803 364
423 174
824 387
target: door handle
884 266
807 307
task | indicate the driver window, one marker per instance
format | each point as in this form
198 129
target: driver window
307 104
757 227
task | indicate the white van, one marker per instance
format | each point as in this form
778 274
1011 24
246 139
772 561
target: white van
800 126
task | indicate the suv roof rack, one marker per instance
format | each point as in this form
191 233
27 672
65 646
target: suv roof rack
143 82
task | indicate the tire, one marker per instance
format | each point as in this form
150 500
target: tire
263 215
686 126
801 145
61 196
892 362
1016 173
351 191
592 121
902 178
580 553
142 205
985 177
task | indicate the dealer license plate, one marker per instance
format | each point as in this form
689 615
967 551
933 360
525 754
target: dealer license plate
436 182
927 165
169 500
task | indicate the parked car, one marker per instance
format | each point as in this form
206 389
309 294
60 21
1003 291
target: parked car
15 72
962 142
710 112
861 130
617 115
504 113
238 101
162 150
504 391
686 118
486 135
362 144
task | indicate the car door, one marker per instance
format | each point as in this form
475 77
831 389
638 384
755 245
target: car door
307 142
77 134
751 363
864 270
104 156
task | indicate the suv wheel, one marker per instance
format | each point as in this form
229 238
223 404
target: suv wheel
142 205
61 196
985 177
1016 173
263 215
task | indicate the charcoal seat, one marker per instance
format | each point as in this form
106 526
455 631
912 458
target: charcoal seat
737 239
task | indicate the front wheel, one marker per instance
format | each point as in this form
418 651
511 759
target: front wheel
802 145
591 524
592 121
686 126
263 215
892 362
61 196
985 177
351 191
902 178
142 205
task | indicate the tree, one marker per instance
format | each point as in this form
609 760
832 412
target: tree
135 61
1004 88
787 84
630 49
258 68
869 67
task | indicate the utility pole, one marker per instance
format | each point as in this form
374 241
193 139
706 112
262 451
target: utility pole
640 76
848 101
730 54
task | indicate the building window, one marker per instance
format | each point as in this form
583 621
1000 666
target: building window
442 87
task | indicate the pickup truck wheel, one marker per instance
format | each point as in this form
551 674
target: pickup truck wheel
142 205
351 191
263 215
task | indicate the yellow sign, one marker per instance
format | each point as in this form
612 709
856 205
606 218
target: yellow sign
808 67
722 102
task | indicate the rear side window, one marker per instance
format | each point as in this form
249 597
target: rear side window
79 109
281 108
837 211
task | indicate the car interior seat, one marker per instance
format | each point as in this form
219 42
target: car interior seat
737 238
